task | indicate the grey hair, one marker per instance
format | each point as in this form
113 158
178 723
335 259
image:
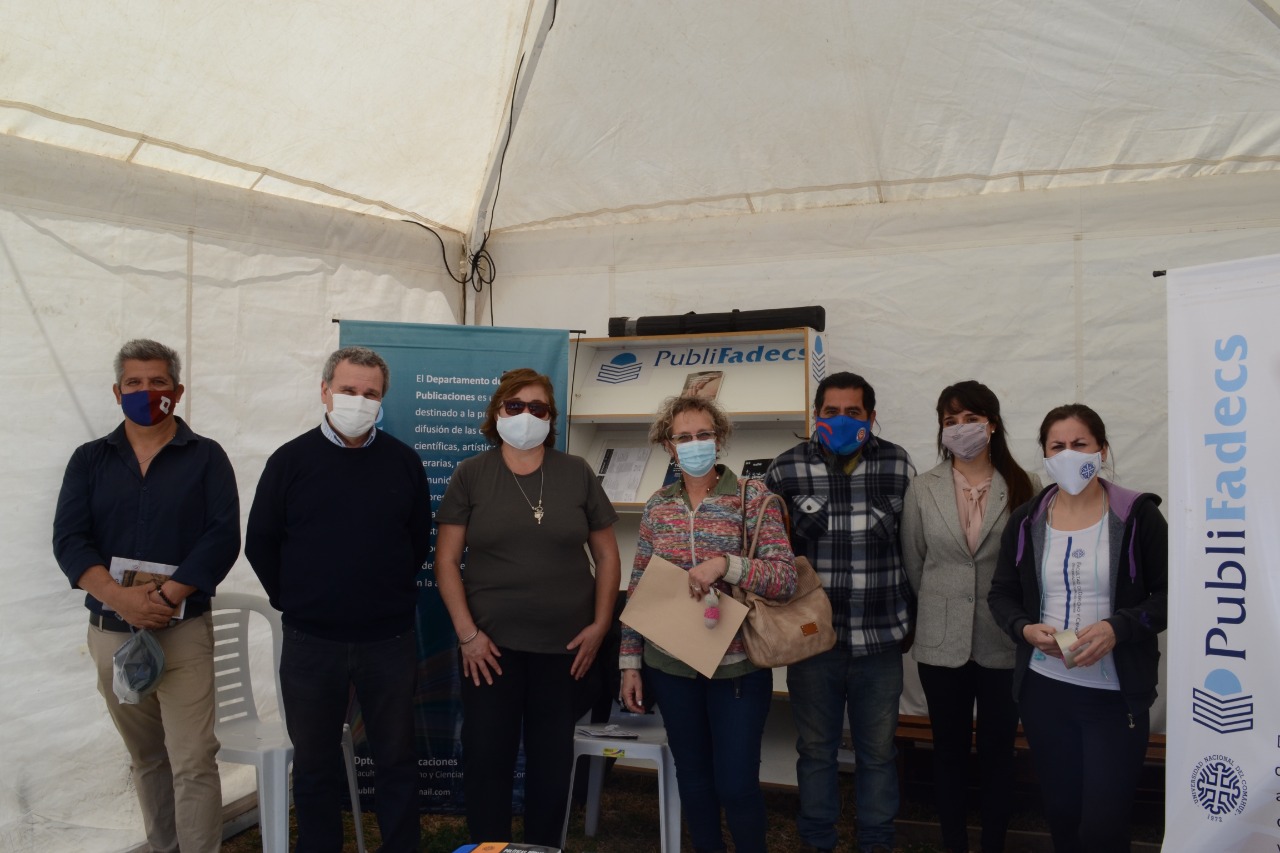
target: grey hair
145 349
361 357
660 431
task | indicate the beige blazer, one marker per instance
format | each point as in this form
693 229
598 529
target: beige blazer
953 623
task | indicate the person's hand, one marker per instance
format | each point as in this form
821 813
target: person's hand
480 659
705 574
1040 635
632 691
140 606
1093 643
587 643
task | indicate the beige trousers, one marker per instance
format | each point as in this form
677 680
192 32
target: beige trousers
169 736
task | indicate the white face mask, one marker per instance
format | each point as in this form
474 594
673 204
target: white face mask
524 431
1072 470
353 416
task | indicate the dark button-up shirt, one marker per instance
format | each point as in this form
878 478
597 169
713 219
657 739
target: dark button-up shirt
184 512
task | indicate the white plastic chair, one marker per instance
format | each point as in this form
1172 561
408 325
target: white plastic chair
247 739
651 745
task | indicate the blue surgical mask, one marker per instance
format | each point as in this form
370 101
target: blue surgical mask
696 457
842 435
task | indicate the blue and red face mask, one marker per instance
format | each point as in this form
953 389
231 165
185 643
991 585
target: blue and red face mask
147 408
842 435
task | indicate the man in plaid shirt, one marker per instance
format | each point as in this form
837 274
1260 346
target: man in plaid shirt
844 489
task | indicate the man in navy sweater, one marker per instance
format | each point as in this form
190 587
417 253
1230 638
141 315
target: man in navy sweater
339 528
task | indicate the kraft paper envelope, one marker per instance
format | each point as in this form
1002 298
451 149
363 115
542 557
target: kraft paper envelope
662 610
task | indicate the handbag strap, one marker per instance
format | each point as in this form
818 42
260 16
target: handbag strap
749 550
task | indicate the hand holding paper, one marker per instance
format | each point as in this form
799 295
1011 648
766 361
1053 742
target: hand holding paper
661 609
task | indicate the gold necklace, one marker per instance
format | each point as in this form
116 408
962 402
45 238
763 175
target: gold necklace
537 510
156 453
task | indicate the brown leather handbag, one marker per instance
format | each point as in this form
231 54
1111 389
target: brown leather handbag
778 632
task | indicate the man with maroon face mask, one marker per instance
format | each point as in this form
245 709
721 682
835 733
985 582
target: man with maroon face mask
148 524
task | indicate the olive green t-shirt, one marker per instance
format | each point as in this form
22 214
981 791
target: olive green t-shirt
529 585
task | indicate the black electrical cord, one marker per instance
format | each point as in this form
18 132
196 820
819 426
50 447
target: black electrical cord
481 268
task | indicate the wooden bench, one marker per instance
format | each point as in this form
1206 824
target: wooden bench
914 730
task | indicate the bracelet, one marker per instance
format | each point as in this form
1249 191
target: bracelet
165 598
470 637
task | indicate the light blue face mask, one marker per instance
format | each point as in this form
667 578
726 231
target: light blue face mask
696 457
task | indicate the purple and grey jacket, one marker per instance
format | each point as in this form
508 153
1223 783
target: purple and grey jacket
1139 585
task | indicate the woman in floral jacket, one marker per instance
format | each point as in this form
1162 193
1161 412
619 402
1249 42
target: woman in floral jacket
714 725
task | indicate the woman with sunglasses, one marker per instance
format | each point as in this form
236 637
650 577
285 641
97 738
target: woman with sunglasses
952 519
529 614
714 725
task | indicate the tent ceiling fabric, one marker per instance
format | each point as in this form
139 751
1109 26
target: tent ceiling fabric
645 111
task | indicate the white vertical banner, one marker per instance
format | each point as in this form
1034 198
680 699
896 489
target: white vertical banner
1222 785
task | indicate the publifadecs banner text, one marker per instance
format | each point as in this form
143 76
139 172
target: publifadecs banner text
1222 784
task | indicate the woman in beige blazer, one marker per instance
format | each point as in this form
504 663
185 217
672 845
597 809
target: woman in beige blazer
951 528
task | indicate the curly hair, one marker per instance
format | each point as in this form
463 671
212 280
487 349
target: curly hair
660 430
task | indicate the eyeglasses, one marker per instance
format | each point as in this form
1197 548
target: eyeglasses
536 407
686 437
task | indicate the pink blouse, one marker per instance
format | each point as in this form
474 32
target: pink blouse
971 501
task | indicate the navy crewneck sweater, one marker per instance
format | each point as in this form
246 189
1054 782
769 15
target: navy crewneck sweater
337 536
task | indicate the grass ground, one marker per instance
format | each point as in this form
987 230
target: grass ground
629 824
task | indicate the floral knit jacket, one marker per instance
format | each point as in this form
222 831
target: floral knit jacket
687 536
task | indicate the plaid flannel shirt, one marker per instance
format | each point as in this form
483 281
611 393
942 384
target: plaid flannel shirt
847 526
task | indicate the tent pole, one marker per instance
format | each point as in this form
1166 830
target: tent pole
525 71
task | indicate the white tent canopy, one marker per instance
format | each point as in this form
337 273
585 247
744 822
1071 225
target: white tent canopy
972 190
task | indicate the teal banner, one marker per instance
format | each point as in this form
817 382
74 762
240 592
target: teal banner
442 378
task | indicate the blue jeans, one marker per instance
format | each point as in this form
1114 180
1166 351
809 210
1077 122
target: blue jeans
821 688
714 728
316 677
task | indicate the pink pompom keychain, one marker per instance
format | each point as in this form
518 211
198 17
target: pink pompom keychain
711 616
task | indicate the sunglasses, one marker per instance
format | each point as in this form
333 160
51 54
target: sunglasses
536 407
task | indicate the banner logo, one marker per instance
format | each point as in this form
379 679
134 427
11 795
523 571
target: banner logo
1219 787
623 367
818 366
1222 706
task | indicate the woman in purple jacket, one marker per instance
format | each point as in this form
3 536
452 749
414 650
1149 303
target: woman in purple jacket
1081 585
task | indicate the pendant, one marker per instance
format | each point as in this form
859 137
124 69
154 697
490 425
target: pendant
538 513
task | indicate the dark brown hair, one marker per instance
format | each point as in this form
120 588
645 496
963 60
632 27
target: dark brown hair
1080 412
981 400
511 383
844 380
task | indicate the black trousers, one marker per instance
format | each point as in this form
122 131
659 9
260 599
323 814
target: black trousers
533 700
316 677
1088 753
951 694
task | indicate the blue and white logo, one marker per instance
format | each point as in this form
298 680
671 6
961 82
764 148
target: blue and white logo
1078 553
1087 470
623 367
818 366
1222 706
1218 786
